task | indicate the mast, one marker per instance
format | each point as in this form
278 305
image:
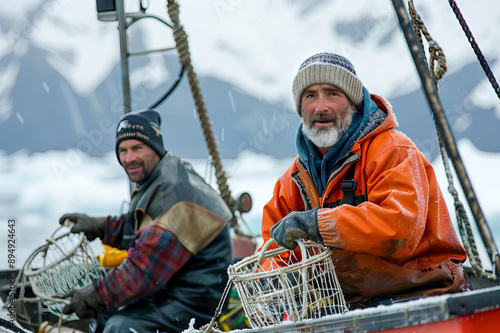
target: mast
122 32
114 10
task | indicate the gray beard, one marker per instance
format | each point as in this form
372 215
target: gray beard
323 138
327 138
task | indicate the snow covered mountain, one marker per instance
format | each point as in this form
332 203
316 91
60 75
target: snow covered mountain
60 93
61 75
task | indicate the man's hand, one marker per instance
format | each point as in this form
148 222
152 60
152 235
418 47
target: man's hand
297 225
85 302
92 227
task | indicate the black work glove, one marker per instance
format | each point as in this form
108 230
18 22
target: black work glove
297 225
85 302
92 227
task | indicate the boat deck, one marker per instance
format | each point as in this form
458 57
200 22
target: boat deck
479 309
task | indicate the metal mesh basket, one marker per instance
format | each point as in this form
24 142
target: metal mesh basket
64 263
295 290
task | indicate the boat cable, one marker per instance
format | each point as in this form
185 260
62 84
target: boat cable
436 55
475 47
8 327
180 37
170 90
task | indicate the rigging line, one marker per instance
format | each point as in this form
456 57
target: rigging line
464 226
475 47
436 54
444 128
170 90
182 45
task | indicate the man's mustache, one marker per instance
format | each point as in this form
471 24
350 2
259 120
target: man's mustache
319 117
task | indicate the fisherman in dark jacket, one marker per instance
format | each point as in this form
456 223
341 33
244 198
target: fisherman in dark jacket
177 237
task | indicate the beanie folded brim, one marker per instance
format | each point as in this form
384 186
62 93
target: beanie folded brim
141 125
322 73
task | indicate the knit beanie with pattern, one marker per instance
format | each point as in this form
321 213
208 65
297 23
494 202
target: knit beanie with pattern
143 125
327 68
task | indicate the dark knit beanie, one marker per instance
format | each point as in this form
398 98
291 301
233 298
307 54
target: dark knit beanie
143 125
331 69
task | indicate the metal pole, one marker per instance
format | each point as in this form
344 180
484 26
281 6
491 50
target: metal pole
122 31
445 131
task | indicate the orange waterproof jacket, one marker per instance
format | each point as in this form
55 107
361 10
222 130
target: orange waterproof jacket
400 242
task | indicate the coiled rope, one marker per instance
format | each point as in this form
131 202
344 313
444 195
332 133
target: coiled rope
182 45
436 54
475 47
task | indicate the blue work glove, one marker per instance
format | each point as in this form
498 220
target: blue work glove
297 225
92 227
85 302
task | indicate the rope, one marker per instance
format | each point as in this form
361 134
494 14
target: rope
475 47
436 54
185 59
212 325
463 222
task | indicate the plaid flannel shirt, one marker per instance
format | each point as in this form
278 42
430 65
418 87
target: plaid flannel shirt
155 257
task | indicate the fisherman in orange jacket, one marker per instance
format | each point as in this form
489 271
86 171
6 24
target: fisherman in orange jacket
363 188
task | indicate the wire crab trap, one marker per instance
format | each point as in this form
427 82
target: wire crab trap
304 287
64 263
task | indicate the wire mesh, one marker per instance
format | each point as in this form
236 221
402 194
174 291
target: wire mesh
64 263
304 286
